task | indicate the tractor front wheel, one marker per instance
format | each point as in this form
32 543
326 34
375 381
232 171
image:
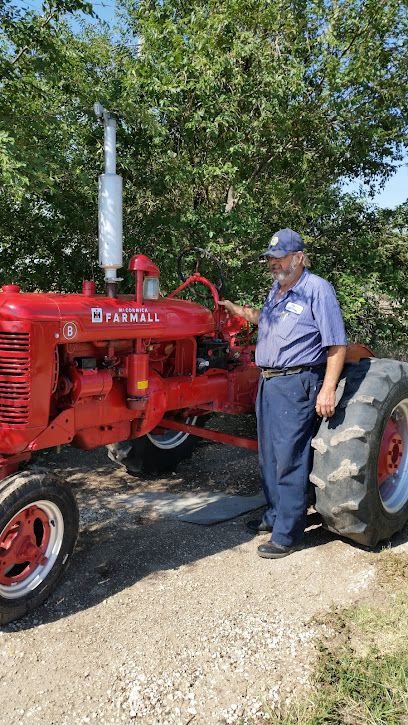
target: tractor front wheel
156 453
38 530
360 465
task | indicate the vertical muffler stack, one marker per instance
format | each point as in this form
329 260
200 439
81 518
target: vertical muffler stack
110 222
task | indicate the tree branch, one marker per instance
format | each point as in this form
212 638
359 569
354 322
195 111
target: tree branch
23 50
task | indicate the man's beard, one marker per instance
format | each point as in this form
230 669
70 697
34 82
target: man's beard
289 274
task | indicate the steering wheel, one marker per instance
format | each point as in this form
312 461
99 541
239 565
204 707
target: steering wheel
195 259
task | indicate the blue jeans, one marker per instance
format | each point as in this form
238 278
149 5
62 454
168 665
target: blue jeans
287 420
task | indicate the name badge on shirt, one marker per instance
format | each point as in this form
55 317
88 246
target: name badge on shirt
293 307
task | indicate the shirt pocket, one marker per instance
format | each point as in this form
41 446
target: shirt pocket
286 325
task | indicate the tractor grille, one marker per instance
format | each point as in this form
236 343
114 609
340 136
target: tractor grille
14 377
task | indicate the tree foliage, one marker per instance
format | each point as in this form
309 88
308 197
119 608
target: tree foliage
50 150
363 251
258 108
236 119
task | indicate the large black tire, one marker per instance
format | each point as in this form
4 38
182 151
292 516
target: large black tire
38 530
360 467
154 454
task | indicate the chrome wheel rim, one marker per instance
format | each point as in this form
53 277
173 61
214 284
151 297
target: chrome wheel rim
171 438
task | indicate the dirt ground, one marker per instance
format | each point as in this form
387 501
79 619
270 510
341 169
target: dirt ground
160 621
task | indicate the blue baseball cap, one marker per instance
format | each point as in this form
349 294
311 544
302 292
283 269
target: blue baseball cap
284 242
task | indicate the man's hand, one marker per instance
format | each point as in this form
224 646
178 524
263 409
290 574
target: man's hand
326 399
229 306
326 402
248 313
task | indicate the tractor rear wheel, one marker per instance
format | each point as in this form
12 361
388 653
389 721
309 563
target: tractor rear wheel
38 530
156 453
360 467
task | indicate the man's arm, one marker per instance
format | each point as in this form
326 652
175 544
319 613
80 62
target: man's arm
326 400
248 313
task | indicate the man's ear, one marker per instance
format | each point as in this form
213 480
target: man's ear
301 258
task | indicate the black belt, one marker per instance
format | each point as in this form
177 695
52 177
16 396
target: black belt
274 372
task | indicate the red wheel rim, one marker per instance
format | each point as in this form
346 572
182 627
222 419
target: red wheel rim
392 466
391 452
23 544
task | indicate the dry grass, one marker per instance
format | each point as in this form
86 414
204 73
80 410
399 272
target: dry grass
362 674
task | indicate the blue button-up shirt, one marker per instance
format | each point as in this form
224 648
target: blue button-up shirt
298 328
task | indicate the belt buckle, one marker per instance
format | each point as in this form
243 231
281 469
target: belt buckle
267 374
293 371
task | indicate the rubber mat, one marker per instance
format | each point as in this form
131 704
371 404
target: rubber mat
199 508
223 509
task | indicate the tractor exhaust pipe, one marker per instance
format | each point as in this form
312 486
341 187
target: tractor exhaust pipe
110 223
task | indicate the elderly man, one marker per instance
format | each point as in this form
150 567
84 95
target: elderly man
300 350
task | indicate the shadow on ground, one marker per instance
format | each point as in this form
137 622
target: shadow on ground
120 545
115 554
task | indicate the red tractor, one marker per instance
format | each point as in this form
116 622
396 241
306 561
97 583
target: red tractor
140 373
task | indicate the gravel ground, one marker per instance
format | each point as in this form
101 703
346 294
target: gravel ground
162 622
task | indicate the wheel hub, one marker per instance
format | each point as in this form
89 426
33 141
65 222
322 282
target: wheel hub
23 544
393 460
29 546
391 452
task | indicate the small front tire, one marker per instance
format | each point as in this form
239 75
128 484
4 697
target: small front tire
38 530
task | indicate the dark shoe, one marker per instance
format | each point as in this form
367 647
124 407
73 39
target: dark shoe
270 550
258 526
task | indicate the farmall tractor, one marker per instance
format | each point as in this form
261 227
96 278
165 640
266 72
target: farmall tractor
140 374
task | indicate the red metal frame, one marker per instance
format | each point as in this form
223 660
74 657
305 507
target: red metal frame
197 278
211 435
